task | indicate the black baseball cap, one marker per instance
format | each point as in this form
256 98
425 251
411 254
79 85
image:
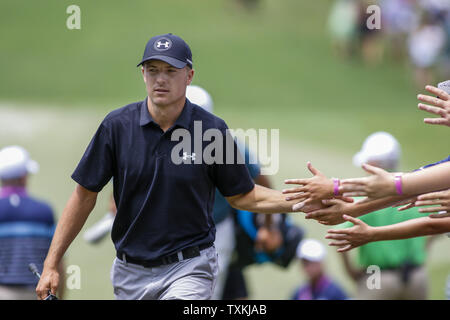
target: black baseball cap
168 48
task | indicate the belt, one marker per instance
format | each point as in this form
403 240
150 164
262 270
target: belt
187 253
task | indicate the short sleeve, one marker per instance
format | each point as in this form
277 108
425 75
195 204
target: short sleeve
95 168
253 168
250 160
433 164
231 175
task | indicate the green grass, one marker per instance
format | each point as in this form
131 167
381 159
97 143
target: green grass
271 68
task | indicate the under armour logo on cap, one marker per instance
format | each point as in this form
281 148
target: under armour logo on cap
163 44
168 48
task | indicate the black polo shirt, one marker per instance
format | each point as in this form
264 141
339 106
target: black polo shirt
162 207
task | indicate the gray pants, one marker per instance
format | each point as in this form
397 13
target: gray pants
189 279
17 293
225 244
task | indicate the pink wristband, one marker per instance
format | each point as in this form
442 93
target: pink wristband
398 183
336 182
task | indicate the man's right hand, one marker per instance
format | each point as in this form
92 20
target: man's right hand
74 215
48 283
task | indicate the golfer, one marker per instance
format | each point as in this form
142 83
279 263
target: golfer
164 230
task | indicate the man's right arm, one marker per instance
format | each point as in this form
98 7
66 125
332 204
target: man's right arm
77 209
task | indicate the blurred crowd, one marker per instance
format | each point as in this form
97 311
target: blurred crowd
416 32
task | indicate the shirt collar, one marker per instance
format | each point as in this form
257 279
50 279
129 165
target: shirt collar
183 120
10 190
146 118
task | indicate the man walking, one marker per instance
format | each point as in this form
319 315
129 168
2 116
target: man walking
164 230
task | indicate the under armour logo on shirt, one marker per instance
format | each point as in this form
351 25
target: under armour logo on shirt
186 156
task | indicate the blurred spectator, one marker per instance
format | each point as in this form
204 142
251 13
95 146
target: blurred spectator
403 274
343 26
444 65
102 228
370 42
248 4
259 241
347 24
26 227
399 19
319 287
437 8
417 31
425 46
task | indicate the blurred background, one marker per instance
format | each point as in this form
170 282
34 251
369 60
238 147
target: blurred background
309 68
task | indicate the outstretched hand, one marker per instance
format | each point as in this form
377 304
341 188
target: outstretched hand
347 239
333 211
316 188
440 106
406 204
379 184
439 203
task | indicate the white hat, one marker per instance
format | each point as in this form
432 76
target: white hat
311 250
200 97
381 147
445 85
15 162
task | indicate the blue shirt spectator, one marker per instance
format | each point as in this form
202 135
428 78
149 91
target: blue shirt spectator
26 230
325 289
26 226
